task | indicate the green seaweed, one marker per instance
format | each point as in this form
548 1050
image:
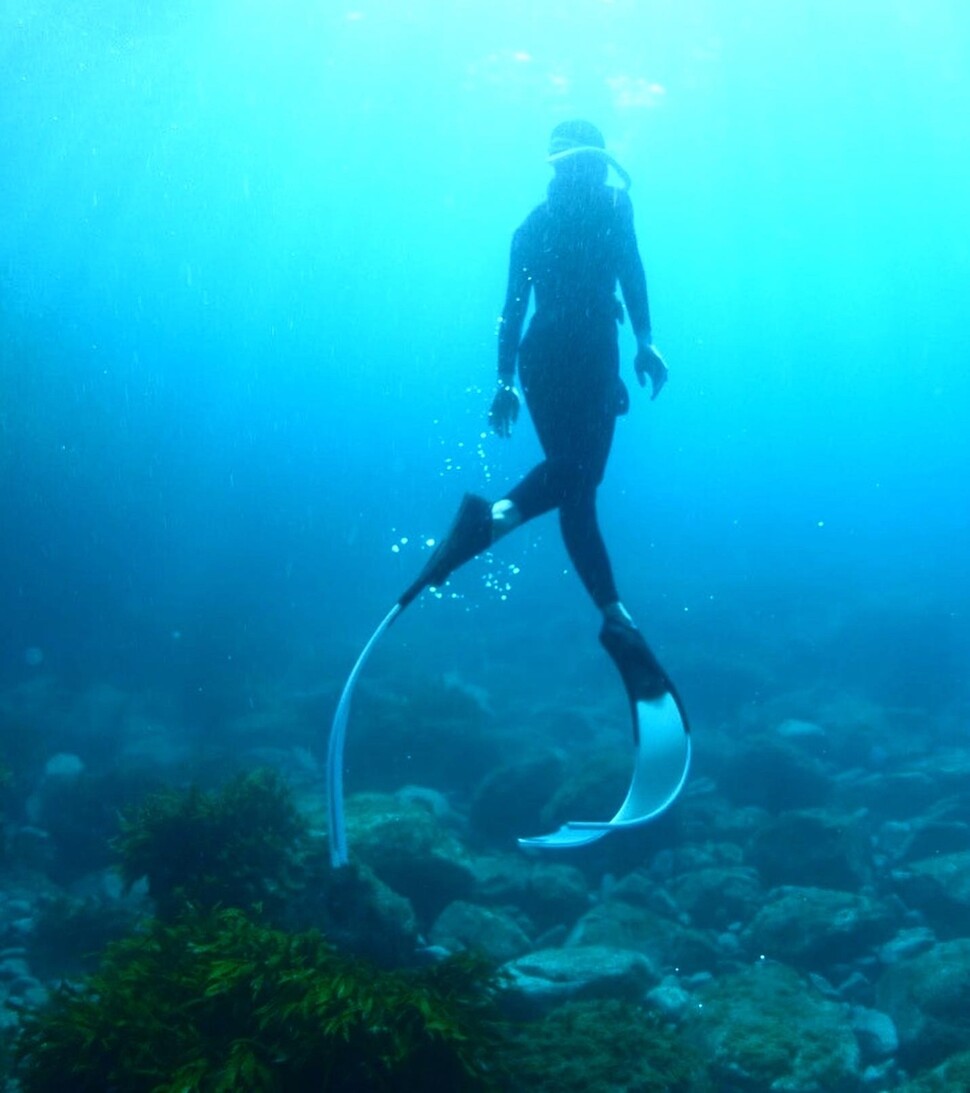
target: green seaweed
217 1002
241 846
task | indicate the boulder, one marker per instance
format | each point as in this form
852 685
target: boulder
550 894
816 928
939 887
813 849
953 1076
928 998
714 898
509 801
767 1028
618 924
547 978
876 1033
487 930
775 774
411 850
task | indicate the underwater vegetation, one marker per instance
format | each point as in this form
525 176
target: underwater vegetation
241 846
218 1002
211 995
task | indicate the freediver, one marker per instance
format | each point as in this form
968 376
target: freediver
571 251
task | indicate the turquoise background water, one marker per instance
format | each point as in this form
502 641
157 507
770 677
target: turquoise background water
251 259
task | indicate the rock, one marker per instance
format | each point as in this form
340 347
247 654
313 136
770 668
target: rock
552 895
813 849
795 729
766 1028
359 912
63 765
13 968
774 774
880 1077
875 1032
549 977
928 998
889 795
714 898
508 803
618 924
669 998
411 850
921 838
437 730
953 1076
907 943
486 930
854 988
30 848
35 996
940 887
815 928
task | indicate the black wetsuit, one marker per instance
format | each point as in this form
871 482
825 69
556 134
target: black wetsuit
571 251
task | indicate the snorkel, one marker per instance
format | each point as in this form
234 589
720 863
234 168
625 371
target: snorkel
599 153
581 138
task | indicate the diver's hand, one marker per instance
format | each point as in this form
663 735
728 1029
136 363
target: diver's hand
505 409
649 363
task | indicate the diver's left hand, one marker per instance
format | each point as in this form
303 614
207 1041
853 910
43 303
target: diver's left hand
505 410
650 363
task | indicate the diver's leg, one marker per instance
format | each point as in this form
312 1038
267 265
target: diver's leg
506 517
469 534
587 551
617 613
539 492
477 525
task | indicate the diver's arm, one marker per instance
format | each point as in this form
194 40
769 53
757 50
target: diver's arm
513 313
505 406
633 282
629 272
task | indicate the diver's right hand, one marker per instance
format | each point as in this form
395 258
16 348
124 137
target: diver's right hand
649 364
505 409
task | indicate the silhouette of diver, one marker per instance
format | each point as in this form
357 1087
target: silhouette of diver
571 251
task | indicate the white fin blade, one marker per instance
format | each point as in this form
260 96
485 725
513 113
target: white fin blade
661 766
335 749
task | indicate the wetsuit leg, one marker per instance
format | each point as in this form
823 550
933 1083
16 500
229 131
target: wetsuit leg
571 390
584 543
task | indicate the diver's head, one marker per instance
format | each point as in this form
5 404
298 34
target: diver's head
577 152
575 136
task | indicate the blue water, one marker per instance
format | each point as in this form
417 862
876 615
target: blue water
251 258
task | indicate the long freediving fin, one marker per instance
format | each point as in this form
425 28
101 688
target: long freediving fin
661 740
469 534
335 748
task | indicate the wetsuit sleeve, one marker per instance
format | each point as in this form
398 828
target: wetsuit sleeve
513 313
633 280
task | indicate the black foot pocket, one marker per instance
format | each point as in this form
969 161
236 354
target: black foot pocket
641 672
469 535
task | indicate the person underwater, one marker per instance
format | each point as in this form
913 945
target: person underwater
571 252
